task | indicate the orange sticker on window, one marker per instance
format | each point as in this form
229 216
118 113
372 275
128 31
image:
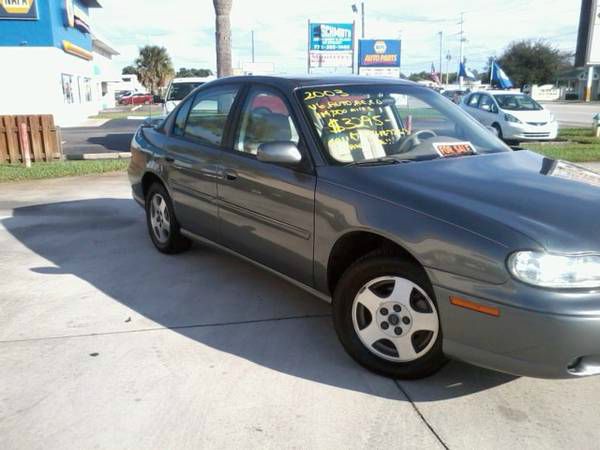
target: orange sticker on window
450 149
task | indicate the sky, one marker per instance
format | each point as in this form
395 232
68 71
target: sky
186 28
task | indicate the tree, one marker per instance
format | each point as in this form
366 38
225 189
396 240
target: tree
424 75
129 70
223 37
186 73
533 62
154 67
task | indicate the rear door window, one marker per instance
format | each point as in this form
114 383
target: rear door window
208 115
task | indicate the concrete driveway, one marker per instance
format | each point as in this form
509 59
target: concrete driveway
105 343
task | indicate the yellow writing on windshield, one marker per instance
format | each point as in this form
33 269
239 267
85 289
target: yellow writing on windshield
310 95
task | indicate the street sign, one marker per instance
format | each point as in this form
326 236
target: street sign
379 57
18 10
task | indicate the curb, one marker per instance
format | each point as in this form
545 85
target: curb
96 156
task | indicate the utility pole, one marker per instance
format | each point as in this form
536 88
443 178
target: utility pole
441 33
448 58
253 46
362 15
462 44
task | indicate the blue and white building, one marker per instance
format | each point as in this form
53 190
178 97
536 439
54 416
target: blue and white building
53 62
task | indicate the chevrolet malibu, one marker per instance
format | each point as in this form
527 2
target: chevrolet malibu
430 237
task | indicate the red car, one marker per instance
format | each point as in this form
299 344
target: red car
137 99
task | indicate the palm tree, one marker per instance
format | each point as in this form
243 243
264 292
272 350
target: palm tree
223 37
154 67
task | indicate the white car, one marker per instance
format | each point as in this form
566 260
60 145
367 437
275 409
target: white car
516 117
179 88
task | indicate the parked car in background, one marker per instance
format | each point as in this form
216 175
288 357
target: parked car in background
179 88
428 234
456 95
122 94
516 117
137 99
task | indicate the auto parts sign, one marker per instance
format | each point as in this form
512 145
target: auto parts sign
18 9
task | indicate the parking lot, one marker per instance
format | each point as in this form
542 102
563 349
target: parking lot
105 343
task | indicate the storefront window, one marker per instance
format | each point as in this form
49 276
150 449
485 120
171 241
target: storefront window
67 86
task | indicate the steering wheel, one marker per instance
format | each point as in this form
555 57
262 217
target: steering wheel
415 139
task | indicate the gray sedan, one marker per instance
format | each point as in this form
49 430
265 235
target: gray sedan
431 237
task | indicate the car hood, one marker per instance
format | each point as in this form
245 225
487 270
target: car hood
497 195
530 116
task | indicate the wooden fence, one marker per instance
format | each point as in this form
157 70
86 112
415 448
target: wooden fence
42 138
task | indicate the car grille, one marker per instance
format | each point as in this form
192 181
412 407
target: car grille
537 135
537 124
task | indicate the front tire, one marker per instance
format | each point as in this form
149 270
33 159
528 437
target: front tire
385 315
162 224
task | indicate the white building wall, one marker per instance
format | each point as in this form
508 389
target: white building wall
31 82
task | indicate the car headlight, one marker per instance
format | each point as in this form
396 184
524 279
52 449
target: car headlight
556 271
511 118
552 118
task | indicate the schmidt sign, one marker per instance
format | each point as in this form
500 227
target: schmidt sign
331 36
18 9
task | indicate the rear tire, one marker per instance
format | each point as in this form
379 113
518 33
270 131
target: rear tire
386 317
163 227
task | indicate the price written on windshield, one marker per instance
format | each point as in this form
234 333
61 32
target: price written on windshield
352 123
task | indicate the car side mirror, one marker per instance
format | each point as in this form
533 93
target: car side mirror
279 152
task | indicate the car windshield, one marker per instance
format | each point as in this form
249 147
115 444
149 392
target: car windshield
517 102
391 123
179 91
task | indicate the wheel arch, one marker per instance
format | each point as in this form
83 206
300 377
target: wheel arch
148 179
356 244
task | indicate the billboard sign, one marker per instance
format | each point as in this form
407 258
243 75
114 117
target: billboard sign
18 10
331 37
330 45
588 39
379 57
379 53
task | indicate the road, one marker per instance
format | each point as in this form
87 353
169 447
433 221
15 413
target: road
114 136
574 114
106 343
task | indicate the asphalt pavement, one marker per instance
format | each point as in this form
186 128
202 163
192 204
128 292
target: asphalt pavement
113 136
574 114
106 343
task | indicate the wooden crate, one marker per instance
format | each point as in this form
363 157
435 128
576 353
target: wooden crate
43 137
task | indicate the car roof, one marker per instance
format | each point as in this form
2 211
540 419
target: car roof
300 81
506 93
193 79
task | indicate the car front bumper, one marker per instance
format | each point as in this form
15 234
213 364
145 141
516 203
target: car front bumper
526 342
526 132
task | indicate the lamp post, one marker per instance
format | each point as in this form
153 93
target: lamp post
362 17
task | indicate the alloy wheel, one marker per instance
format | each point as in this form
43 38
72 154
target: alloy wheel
395 319
160 219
